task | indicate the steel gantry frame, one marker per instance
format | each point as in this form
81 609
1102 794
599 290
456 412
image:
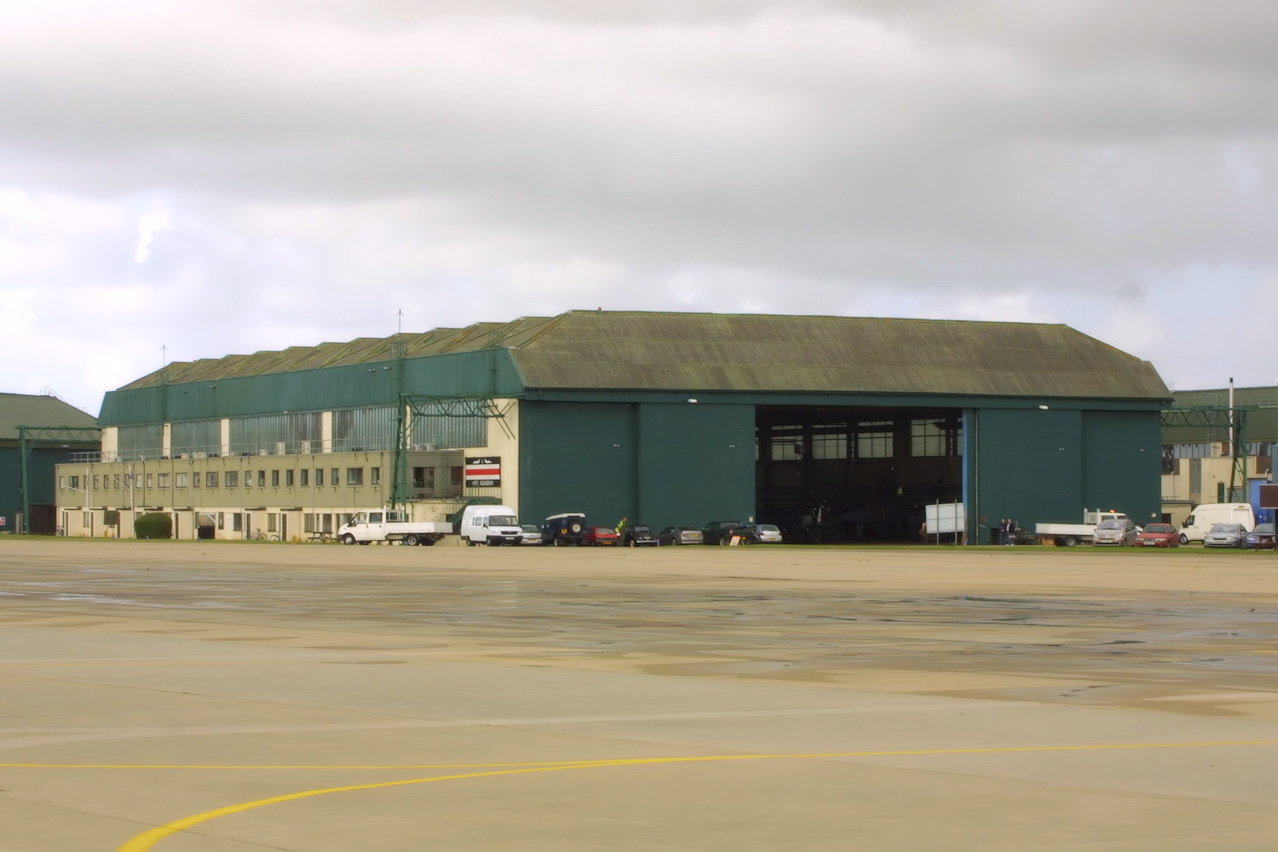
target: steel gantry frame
28 437
412 406
1233 420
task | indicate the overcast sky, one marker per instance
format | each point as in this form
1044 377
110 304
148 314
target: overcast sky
226 177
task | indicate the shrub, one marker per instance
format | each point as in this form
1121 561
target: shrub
153 525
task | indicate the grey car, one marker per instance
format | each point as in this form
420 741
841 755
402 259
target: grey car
1116 532
1225 535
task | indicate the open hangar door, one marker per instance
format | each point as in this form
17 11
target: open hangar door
855 474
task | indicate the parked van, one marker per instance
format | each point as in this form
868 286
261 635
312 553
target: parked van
490 525
1207 515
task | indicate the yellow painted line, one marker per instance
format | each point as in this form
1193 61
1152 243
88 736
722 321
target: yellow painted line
145 841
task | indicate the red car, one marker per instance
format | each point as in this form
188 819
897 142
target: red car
1158 535
600 537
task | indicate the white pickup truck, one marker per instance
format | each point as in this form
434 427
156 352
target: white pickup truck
1068 535
389 525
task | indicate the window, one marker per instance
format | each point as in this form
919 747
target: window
328 522
424 478
128 480
95 482
261 479
163 479
874 439
270 521
232 479
456 475
73 482
306 477
181 480
787 443
308 523
117 482
248 479
195 480
928 438
319 476
334 473
221 520
237 521
275 479
210 479
150 480
62 482
375 476
830 441
354 476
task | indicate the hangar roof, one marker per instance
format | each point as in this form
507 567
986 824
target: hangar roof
703 352
19 409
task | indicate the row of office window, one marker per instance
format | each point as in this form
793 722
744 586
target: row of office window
354 476
865 439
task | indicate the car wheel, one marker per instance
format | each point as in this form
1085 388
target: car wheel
557 541
1184 539
410 540
348 539
631 543
1070 541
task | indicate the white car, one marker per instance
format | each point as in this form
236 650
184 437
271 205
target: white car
1225 535
529 534
762 533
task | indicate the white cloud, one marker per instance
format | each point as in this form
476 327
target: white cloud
228 177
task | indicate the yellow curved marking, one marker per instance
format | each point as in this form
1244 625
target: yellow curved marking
145 841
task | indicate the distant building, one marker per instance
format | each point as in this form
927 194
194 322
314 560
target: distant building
833 428
44 415
1202 463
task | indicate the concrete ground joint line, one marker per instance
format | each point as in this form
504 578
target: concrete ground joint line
147 840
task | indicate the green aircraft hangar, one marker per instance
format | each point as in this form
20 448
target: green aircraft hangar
833 428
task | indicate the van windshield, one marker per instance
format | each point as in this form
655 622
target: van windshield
503 521
1111 525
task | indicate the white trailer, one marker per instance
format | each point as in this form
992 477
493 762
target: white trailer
1068 535
389 525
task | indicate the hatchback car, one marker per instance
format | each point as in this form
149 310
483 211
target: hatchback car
760 533
1261 538
679 535
1225 535
1158 535
1115 532
639 535
718 532
529 534
600 537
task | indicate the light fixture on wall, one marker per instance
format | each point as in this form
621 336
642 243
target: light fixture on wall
692 399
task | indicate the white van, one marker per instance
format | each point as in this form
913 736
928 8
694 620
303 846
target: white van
490 525
1207 515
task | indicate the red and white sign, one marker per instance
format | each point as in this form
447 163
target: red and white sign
3 520
483 472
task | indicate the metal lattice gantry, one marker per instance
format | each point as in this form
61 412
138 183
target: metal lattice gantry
31 436
413 406
1231 419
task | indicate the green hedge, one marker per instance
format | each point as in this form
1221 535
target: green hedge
153 525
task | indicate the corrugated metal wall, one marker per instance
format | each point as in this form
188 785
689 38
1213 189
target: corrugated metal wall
365 429
434 428
196 436
146 441
277 433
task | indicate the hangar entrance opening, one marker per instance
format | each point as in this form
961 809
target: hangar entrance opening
855 474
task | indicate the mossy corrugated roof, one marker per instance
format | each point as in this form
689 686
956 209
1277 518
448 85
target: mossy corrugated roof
17 409
594 350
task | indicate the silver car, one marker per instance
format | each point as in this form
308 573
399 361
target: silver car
1225 535
1116 532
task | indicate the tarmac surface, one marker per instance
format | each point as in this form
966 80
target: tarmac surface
208 697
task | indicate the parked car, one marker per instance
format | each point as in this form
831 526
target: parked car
760 533
639 535
529 534
679 535
1225 535
1261 538
1158 535
1116 532
564 528
718 532
600 537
